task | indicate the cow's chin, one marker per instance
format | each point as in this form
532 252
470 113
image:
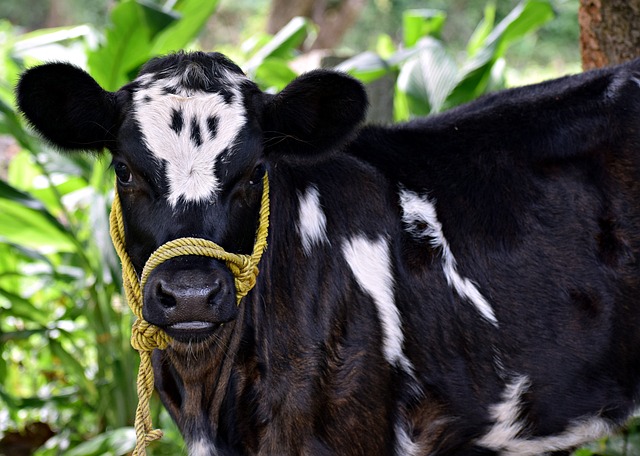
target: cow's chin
192 332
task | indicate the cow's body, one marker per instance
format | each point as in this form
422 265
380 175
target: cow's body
466 284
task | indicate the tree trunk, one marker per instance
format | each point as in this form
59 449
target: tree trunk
333 18
609 32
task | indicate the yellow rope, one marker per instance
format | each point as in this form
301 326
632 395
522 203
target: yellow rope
146 337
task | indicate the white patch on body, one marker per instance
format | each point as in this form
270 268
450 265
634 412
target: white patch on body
405 446
202 447
417 210
508 434
312 223
370 263
189 167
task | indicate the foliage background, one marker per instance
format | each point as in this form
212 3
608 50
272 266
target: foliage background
67 372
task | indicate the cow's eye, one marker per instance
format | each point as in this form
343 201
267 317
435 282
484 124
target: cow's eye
258 173
123 174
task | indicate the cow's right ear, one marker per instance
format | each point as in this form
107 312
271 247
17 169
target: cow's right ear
67 107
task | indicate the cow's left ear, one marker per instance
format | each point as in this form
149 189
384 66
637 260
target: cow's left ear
314 113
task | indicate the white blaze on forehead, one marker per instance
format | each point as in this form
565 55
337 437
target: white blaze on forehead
189 153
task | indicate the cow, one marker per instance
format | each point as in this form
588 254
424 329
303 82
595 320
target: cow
462 284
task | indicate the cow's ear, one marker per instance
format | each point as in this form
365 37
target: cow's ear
314 113
67 107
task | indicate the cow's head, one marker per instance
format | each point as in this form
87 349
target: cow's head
190 140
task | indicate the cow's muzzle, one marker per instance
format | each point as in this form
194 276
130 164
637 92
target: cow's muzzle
190 297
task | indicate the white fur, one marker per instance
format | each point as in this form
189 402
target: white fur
312 223
508 434
202 447
190 168
418 208
371 265
405 446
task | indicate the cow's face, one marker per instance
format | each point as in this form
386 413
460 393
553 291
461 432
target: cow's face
191 139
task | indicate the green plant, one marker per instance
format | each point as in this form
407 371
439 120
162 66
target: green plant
65 356
430 79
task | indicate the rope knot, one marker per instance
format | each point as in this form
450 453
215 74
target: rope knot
147 337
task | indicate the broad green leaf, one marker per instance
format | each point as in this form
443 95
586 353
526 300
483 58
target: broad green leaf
426 80
420 23
523 19
127 42
193 17
25 221
476 74
274 73
282 45
111 443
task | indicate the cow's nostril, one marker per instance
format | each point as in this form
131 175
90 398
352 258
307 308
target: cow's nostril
212 292
165 297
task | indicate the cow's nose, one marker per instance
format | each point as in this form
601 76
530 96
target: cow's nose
170 293
189 295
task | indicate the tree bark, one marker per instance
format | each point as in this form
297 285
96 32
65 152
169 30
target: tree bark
609 32
333 18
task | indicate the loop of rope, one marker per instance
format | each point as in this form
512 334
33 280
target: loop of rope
146 337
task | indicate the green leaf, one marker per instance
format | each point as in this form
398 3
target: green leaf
385 46
70 364
367 66
22 308
10 124
111 443
127 42
282 45
274 73
25 221
426 80
476 74
193 17
483 30
420 23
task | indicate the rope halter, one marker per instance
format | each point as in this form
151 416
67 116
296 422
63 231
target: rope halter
146 337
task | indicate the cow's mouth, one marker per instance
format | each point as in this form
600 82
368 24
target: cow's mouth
191 331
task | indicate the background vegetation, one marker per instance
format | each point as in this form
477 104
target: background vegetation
67 371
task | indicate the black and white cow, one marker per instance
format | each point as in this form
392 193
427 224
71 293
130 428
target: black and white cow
464 284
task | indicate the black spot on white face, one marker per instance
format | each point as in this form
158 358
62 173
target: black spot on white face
168 90
196 136
212 126
195 116
177 121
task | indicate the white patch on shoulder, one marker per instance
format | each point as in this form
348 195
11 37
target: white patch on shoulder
419 210
312 223
508 434
370 263
190 151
